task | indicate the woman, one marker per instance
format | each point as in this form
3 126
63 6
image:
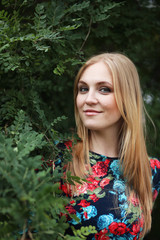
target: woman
122 182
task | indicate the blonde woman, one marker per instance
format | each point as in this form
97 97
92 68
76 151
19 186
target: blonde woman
123 182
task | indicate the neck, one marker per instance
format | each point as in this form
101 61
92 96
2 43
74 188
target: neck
105 143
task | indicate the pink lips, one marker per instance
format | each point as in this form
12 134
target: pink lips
91 112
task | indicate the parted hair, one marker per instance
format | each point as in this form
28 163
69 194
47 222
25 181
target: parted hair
132 147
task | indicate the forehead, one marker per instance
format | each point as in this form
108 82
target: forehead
97 72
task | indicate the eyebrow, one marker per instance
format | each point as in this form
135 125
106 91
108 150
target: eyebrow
98 83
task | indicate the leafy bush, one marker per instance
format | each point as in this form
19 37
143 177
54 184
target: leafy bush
42 45
29 201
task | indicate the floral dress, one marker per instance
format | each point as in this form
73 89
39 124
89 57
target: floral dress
103 209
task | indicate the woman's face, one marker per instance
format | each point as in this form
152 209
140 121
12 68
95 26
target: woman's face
95 101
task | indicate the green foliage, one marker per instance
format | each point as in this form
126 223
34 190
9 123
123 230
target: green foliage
42 45
30 202
83 232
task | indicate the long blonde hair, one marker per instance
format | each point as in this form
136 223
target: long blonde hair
132 147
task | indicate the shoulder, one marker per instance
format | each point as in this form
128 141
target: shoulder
155 168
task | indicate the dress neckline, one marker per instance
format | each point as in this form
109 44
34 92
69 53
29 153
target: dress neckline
98 154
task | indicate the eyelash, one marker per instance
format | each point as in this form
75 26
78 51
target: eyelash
81 89
106 89
102 89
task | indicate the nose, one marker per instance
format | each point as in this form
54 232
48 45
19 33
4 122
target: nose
91 98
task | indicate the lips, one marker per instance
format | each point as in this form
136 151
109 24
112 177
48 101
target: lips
91 112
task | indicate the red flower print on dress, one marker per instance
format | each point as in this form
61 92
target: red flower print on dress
157 163
84 203
63 187
86 215
154 163
72 202
82 188
102 235
142 221
134 200
104 182
70 209
100 168
94 197
68 144
135 229
118 228
94 183
155 194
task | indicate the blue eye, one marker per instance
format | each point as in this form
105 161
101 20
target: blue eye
83 89
105 90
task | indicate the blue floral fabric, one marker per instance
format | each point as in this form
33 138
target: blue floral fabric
102 207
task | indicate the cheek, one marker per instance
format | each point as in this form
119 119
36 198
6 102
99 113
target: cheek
79 101
111 105
116 111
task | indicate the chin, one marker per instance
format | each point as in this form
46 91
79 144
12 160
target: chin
92 127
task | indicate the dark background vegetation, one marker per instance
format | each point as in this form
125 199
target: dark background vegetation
42 45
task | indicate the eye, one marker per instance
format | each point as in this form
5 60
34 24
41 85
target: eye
82 89
105 90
